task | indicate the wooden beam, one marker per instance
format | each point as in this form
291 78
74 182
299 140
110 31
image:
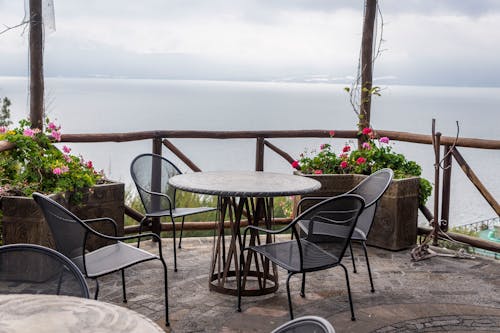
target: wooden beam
279 151
181 155
36 64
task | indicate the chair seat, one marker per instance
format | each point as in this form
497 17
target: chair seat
286 255
112 258
179 212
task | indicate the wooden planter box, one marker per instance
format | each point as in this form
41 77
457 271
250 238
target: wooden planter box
23 221
395 224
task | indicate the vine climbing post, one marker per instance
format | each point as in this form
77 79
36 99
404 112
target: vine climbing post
36 63
367 63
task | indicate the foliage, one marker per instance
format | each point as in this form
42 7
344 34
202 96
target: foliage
36 164
372 156
5 113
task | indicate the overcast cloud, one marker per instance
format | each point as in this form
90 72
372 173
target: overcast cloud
443 42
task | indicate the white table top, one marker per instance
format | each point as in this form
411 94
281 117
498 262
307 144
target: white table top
54 314
244 183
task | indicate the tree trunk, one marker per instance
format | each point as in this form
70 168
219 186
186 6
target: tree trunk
36 64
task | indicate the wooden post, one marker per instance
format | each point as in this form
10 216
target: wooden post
156 183
36 64
437 171
445 198
259 154
367 63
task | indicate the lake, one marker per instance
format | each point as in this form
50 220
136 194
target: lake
98 105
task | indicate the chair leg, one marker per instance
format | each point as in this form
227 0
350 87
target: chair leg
167 322
238 284
182 229
352 257
123 287
288 294
144 219
96 289
353 318
175 247
368 265
303 289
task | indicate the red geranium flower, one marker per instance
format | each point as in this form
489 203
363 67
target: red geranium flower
366 130
360 160
295 164
344 164
346 149
318 172
332 133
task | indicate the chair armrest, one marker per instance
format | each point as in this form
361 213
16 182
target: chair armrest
267 231
105 219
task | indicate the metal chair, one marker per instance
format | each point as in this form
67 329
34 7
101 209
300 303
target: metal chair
35 269
306 324
71 235
303 255
150 173
371 190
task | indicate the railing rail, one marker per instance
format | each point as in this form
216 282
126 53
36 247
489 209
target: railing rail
161 138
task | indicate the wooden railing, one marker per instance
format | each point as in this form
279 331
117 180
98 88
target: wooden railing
161 138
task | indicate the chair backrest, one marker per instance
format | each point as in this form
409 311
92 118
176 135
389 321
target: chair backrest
332 222
150 173
68 230
35 269
306 324
371 189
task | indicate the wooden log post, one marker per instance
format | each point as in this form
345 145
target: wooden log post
36 64
437 171
156 183
367 63
446 191
259 154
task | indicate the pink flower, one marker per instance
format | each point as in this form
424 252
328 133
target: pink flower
64 169
346 149
366 146
322 146
344 164
360 160
67 158
57 171
89 165
56 135
343 156
366 130
384 139
52 126
28 132
332 133
318 172
66 149
295 164
3 129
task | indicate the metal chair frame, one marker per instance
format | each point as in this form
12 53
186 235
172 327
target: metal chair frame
42 200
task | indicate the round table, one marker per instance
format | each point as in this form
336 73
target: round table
54 313
242 193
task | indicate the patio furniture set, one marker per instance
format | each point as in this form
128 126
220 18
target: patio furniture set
321 236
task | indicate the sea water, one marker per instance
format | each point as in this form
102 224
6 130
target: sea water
98 105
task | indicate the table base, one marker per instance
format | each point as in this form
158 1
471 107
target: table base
260 276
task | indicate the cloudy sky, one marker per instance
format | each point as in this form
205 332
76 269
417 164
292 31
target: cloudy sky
445 42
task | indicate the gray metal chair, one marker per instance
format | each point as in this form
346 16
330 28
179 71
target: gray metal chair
35 269
150 173
71 235
306 324
303 255
371 190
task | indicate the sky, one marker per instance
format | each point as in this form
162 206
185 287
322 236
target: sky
426 42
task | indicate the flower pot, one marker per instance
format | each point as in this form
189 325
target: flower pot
395 224
23 221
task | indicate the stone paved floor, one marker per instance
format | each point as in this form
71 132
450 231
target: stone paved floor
436 295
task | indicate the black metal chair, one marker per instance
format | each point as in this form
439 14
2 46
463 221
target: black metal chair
303 255
150 173
306 324
71 235
35 269
371 190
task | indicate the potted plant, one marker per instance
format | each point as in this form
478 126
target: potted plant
395 225
35 164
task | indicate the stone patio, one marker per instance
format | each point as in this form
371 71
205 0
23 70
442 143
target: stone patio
435 295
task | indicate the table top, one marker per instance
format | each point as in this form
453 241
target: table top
244 183
51 313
